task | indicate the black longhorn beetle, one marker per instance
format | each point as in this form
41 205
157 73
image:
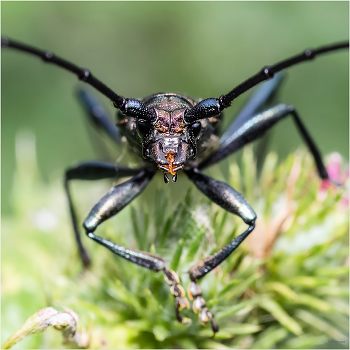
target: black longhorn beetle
171 132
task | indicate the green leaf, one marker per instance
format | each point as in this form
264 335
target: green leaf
314 302
235 177
140 325
136 230
211 344
248 266
308 281
341 305
195 245
242 286
219 229
335 291
98 311
118 291
177 256
338 320
281 289
334 271
228 287
232 330
249 172
187 343
320 324
160 332
280 315
165 232
145 231
242 328
305 342
152 302
269 337
232 310
268 169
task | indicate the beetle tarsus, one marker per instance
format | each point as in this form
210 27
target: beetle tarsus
199 306
181 302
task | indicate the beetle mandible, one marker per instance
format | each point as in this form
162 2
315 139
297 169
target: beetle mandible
171 132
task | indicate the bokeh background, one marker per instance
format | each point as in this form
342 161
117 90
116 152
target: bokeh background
201 49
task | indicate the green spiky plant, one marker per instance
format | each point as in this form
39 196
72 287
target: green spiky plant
285 287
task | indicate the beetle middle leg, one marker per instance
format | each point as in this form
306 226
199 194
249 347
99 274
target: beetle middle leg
113 202
255 127
232 201
97 115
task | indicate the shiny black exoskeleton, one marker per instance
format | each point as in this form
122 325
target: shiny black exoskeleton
171 132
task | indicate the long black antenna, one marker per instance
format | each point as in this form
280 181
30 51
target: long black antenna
82 73
130 106
211 107
268 72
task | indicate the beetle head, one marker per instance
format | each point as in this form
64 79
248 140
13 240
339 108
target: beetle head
169 141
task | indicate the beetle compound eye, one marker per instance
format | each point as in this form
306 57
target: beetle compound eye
196 129
143 128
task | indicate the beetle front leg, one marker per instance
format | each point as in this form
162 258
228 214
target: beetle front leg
91 171
231 200
113 202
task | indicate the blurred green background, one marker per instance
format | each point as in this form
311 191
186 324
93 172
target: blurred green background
201 49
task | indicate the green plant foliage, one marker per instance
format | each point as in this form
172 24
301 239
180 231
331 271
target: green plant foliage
285 287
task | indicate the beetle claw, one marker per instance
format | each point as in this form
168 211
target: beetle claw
166 179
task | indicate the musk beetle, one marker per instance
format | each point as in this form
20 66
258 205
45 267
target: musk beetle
170 132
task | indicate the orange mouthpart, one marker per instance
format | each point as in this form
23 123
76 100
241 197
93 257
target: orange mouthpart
170 167
170 158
